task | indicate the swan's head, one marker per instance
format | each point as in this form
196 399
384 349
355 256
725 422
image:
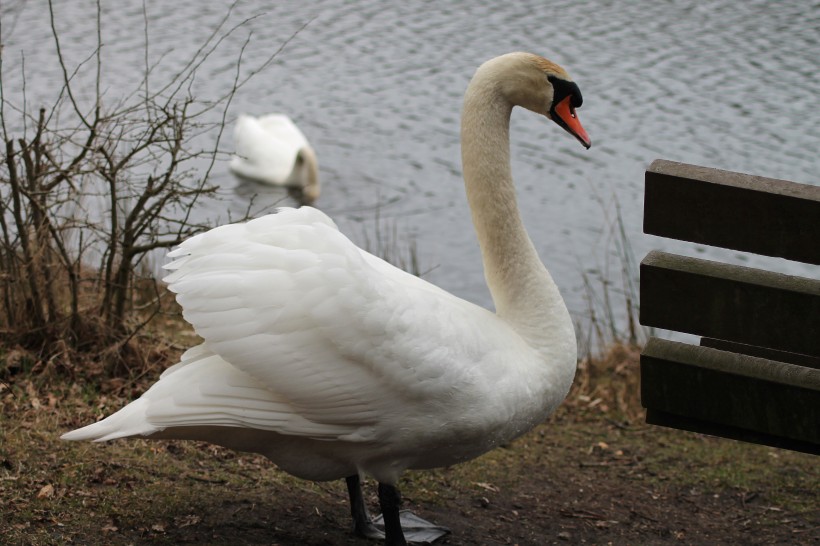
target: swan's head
542 86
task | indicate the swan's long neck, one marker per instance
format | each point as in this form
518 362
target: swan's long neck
523 292
310 189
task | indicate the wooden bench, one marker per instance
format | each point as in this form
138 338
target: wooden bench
756 374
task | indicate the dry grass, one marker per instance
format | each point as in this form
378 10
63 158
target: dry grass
610 380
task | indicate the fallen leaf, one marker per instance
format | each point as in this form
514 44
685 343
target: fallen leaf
187 521
46 492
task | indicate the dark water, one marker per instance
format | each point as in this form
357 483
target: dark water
377 86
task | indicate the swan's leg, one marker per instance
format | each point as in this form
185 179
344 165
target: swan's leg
393 525
390 502
403 524
362 523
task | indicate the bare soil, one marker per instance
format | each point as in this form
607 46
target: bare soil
593 474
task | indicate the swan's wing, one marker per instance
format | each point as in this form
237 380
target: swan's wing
343 337
203 390
266 148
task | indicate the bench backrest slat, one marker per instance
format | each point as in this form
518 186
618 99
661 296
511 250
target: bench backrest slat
733 210
799 359
730 302
731 395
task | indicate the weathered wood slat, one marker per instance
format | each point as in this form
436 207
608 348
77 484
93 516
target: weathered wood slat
762 352
729 302
732 210
732 395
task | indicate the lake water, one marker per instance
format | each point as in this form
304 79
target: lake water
376 86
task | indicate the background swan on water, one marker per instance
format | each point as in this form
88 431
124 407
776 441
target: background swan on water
272 150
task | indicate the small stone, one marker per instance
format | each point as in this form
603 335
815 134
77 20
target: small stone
564 535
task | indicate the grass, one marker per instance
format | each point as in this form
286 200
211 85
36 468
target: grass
387 243
595 472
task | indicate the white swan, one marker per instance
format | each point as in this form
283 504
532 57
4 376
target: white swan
334 364
272 150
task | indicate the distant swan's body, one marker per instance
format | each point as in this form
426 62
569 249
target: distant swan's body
272 150
333 363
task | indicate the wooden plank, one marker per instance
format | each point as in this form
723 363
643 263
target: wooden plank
733 210
705 387
762 352
730 302
664 419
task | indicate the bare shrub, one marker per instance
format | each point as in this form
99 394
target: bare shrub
88 195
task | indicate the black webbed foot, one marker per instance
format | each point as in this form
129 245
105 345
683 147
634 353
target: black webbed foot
397 527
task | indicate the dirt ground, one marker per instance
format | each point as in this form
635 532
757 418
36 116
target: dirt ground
593 474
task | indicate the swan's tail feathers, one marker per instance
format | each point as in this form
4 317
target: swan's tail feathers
129 421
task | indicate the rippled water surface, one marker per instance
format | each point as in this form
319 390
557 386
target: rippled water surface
377 86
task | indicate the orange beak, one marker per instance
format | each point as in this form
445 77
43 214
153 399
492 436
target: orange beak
569 121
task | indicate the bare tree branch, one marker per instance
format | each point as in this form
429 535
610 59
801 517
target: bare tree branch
99 188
